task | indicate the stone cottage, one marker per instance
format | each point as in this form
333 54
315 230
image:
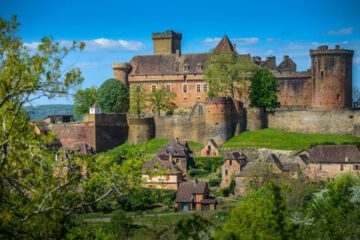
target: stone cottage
176 151
210 149
194 196
233 164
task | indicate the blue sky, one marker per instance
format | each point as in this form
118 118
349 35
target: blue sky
115 31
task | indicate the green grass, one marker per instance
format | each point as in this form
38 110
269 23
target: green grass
277 139
152 146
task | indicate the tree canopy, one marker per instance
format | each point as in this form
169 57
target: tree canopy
113 97
161 100
263 90
226 73
137 99
84 99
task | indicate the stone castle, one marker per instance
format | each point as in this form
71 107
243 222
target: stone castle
318 100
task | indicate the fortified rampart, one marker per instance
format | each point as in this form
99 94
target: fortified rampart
141 130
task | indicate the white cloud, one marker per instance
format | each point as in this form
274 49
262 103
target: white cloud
239 41
269 52
87 65
212 40
100 44
272 39
344 31
345 42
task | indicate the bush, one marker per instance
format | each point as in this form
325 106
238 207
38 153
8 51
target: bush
113 97
208 163
224 192
214 182
194 172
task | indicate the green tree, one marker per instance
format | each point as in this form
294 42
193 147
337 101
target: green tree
120 224
194 227
232 184
263 90
83 100
113 97
137 99
161 100
261 215
226 73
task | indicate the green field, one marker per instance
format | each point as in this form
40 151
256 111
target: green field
277 139
152 146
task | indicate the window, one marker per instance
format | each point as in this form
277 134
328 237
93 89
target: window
186 67
153 87
341 167
356 167
185 88
205 87
198 88
168 88
226 172
177 160
199 67
230 162
209 147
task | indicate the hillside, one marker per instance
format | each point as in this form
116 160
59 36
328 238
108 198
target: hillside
42 111
277 139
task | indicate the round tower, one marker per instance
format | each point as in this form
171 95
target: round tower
121 72
331 77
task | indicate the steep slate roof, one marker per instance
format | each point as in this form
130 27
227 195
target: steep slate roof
187 189
224 45
173 147
335 154
166 165
237 156
80 148
272 158
213 143
168 64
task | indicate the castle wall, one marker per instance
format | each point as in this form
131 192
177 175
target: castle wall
141 130
335 121
295 91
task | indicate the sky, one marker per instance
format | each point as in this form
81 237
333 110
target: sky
115 31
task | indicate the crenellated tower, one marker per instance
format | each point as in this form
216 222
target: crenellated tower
166 43
331 72
121 72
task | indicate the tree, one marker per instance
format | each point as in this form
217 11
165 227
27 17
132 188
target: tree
161 100
137 99
194 227
120 224
83 100
113 96
226 73
263 90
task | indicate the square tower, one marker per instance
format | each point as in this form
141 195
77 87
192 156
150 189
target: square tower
166 43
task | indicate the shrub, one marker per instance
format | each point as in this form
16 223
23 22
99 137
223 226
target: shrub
208 163
194 172
214 182
224 192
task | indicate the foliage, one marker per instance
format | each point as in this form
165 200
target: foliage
232 184
120 224
161 100
226 73
113 97
214 182
83 100
263 90
209 164
34 203
194 172
333 213
194 227
137 99
277 139
261 215
224 192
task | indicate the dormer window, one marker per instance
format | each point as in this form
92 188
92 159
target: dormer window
199 67
186 67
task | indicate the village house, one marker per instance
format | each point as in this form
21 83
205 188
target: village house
194 196
327 161
161 174
233 164
210 149
176 151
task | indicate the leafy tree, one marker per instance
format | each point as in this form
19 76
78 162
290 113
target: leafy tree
113 97
261 215
232 184
120 224
194 227
161 100
83 100
137 99
226 73
263 90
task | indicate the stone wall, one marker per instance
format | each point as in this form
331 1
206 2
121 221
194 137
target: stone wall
141 130
335 121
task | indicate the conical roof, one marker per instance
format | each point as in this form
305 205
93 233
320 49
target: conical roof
224 45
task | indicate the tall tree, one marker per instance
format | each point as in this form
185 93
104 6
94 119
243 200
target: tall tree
263 90
137 99
161 100
226 73
83 100
113 96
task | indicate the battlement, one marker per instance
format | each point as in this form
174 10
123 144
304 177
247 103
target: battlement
324 49
122 67
169 34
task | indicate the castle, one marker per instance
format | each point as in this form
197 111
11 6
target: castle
315 101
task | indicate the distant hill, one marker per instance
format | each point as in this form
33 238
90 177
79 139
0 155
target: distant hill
42 111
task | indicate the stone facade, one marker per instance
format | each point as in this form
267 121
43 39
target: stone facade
232 165
166 181
210 149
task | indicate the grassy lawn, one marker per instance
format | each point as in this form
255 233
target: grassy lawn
277 139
